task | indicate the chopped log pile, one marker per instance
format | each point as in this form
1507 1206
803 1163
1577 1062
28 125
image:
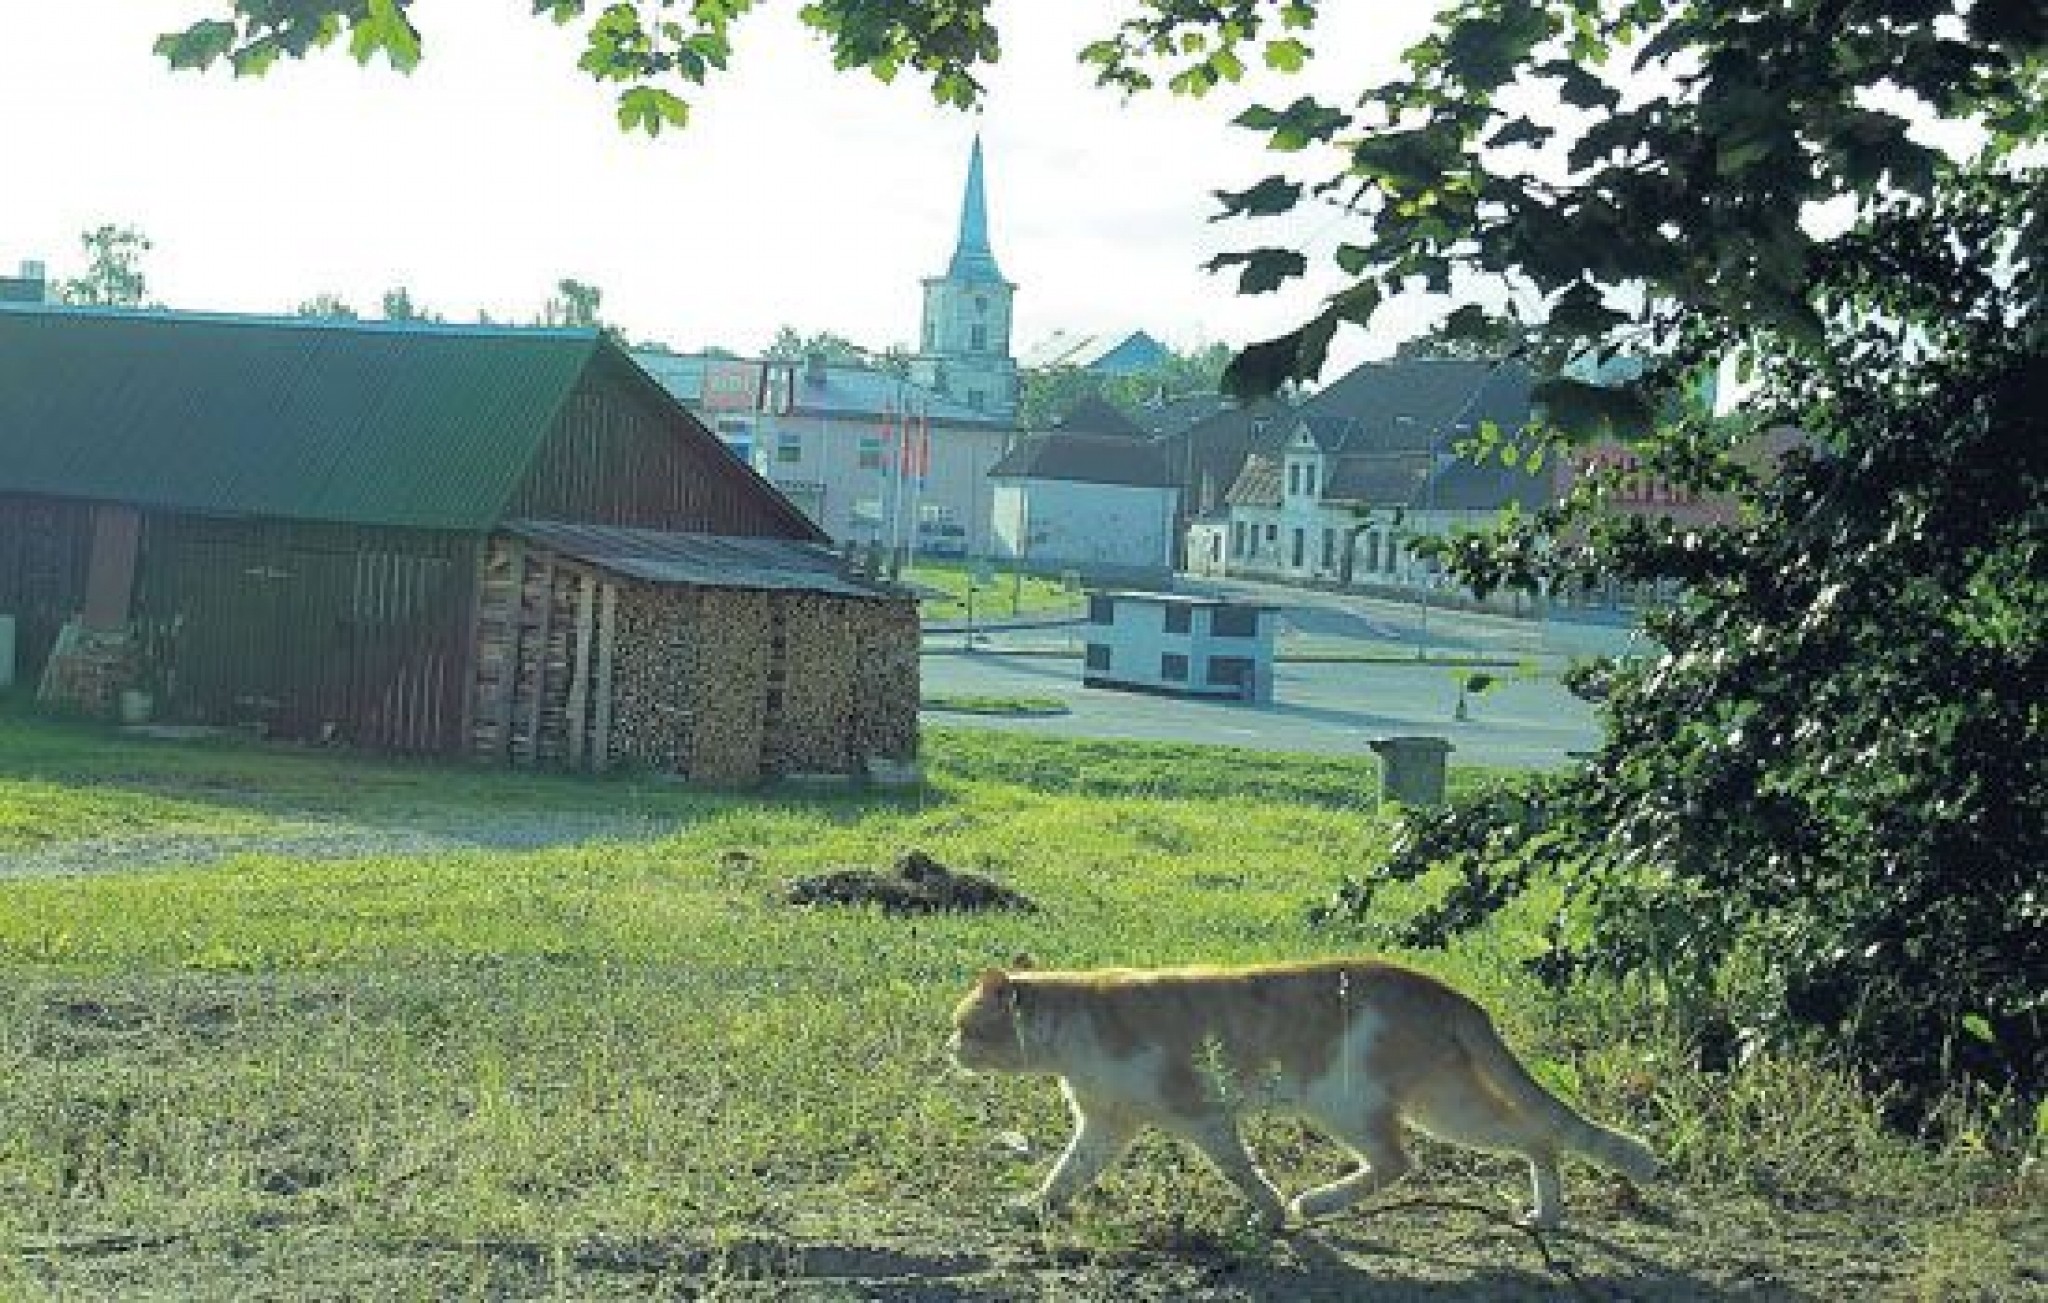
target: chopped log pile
583 669
918 884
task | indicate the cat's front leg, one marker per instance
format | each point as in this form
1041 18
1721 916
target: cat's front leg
1219 1141
1101 1135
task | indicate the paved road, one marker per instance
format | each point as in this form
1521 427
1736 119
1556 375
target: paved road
1317 707
1526 720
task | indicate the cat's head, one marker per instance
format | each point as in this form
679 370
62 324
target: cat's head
987 1032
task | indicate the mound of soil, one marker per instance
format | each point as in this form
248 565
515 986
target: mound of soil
918 884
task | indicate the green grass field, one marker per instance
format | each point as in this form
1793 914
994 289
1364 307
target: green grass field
623 1067
1004 596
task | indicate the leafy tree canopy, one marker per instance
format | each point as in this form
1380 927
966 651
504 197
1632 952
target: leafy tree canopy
113 274
789 342
329 306
398 305
1051 394
574 304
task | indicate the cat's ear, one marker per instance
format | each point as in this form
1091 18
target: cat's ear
1020 960
994 981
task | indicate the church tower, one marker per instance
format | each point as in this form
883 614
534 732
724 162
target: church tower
964 342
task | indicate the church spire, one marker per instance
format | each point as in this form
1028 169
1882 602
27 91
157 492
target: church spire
973 260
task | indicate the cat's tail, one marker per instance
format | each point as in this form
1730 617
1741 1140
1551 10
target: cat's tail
1497 1063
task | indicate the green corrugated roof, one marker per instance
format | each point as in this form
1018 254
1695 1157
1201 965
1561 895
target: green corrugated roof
429 426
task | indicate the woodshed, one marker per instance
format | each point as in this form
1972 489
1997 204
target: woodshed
315 529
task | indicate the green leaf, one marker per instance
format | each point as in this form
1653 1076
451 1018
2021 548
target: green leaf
1275 194
650 108
1580 311
198 46
1264 269
384 27
1286 54
1589 411
1305 122
1980 1027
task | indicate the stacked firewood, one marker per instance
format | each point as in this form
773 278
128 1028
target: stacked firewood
821 683
653 665
729 696
887 685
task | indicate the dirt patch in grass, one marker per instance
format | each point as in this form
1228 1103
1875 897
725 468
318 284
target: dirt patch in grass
917 884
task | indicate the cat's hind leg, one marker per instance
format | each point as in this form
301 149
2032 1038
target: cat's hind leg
1468 1114
1382 1160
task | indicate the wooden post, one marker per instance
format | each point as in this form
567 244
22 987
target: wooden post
607 635
540 659
508 678
579 674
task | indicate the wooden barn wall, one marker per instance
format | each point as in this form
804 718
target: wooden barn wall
614 459
45 549
579 669
354 634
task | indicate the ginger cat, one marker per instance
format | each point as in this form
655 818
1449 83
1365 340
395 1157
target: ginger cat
1359 1047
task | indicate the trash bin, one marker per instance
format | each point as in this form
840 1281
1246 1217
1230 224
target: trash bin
1412 769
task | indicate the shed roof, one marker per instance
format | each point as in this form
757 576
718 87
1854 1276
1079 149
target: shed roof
1086 459
704 560
431 426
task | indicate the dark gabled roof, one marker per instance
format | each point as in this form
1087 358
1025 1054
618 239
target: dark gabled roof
1413 404
1094 414
1086 459
1467 486
415 425
704 560
1389 478
1173 415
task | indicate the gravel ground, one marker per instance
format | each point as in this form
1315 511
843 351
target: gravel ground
320 838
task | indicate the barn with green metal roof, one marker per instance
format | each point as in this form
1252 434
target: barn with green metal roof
354 531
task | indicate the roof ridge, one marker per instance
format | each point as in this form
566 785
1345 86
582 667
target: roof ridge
374 325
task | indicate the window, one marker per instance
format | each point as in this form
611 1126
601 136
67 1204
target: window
871 452
977 337
1173 665
789 446
1308 479
1237 538
1101 610
1293 478
1098 655
1300 549
1329 549
1233 622
981 304
1231 671
975 398
1176 619
1272 532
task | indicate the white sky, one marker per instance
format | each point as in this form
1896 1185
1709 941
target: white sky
797 195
